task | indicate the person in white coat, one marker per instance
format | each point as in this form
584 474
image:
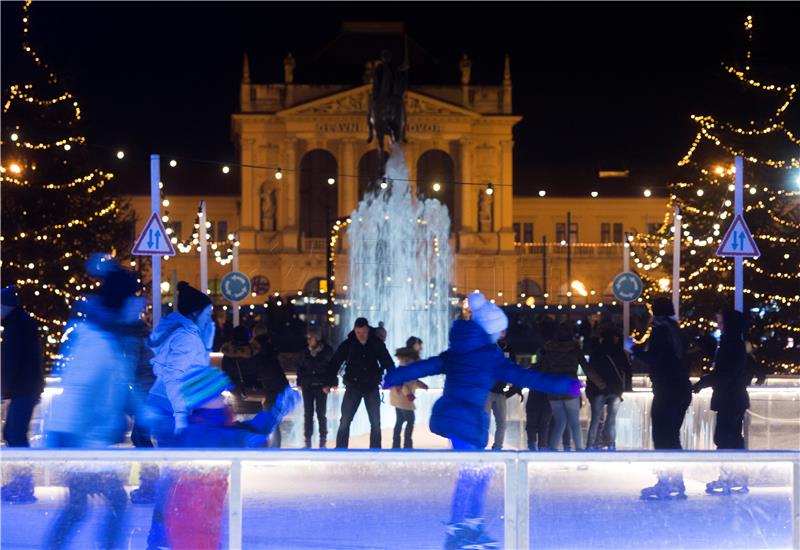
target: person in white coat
182 339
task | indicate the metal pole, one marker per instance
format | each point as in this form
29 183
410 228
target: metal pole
626 306
155 207
676 262
738 267
544 267
569 265
236 268
203 248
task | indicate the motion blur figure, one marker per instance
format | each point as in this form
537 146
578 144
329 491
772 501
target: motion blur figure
92 410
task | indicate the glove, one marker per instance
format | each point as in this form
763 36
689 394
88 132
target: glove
628 345
410 397
575 388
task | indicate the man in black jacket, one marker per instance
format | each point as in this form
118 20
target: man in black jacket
315 380
22 383
366 358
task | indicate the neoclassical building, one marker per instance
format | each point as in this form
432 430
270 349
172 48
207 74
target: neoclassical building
305 162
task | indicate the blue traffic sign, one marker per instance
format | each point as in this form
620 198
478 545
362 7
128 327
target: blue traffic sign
235 286
627 286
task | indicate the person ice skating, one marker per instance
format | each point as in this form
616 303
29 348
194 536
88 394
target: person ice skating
471 365
562 356
729 379
182 338
271 374
402 399
91 411
366 359
238 362
196 496
22 383
610 363
415 343
666 354
315 380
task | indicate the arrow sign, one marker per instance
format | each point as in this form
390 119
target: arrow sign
235 286
627 286
738 241
153 240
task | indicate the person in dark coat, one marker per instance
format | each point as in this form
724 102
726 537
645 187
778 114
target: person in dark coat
239 363
472 364
315 380
666 354
271 375
22 382
729 379
366 359
610 363
562 356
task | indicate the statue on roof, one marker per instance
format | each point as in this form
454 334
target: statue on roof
387 113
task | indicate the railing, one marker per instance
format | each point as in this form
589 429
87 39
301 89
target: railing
313 245
385 499
579 250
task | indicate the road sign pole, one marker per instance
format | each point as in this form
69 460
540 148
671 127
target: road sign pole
155 206
235 268
626 306
676 262
738 267
202 231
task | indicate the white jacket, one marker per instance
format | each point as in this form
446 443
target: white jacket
96 389
177 346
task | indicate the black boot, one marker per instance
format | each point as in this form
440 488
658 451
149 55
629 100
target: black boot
146 492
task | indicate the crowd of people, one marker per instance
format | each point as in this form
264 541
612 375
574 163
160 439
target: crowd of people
118 373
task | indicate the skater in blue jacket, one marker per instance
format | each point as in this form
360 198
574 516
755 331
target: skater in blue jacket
471 365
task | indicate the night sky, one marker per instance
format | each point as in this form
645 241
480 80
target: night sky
599 85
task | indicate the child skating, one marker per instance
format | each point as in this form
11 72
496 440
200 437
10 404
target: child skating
402 399
471 365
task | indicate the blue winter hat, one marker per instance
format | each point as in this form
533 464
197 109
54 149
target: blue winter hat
201 384
490 317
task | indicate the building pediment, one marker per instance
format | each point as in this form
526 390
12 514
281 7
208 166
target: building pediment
356 102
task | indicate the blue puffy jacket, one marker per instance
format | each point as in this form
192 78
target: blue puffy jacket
471 365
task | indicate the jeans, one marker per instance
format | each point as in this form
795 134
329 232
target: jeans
667 413
403 417
315 399
728 430
350 403
81 485
496 404
18 419
471 487
537 420
611 403
565 412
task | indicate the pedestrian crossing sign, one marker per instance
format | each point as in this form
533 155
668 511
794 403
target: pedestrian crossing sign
153 241
738 241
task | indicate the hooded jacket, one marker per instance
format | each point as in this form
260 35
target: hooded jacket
731 374
21 359
611 364
238 364
563 358
177 345
471 365
314 371
364 363
270 371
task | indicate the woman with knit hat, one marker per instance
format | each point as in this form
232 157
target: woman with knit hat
471 365
182 339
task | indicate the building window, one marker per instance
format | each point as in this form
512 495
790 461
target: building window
210 231
222 230
527 233
561 234
605 232
177 230
653 227
516 233
618 233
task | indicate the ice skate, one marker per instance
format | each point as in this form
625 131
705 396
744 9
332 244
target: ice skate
469 535
667 488
725 486
19 490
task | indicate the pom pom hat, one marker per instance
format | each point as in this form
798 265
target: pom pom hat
488 316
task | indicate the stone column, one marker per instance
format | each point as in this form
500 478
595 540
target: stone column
290 184
504 213
249 183
466 195
348 177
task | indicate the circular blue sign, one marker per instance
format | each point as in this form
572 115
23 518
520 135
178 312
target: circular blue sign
235 286
627 286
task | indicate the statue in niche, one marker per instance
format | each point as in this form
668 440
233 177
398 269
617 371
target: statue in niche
387 112
466 69
288 69
269 208
485 212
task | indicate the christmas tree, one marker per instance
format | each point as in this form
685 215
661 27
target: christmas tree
704 194
56 208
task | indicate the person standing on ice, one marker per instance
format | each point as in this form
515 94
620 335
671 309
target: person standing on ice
729 378
182 339
366 358
666 354
471 365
